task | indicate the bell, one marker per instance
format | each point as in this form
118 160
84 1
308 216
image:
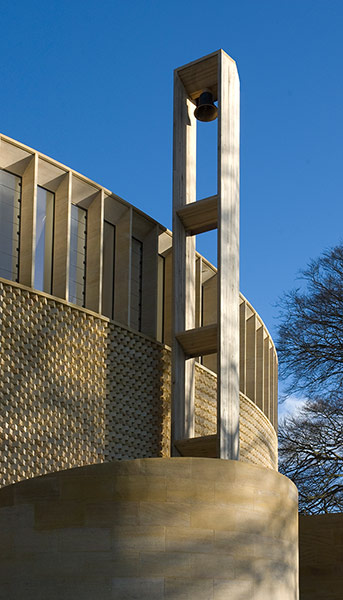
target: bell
206 110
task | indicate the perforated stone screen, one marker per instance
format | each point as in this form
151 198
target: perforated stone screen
78 389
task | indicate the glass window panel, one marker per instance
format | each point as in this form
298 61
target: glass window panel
136 284
108 266
160 298
77 256
44 239
10 195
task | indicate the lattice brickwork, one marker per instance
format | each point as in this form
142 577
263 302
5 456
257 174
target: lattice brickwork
52 409
258 441
138 376
257 436
77 389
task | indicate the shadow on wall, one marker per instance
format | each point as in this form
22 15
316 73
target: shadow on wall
151 529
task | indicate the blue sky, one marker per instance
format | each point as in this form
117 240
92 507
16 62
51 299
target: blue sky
90 84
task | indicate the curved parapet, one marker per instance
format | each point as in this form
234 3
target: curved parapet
152 529
85 329
258 439
78 388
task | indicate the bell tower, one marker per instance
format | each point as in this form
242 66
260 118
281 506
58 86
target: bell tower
197 86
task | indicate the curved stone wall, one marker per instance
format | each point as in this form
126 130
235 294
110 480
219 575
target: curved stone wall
79 389
151 529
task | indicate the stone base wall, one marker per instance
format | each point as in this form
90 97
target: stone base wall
321 556
151 529
78 389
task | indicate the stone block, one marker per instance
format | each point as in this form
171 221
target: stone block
86 488
240 589
135 588
43 488
27 540
204 517
104 514
187 589
164 513
138 488
234 492
203 566
187 490
55 515
184 539
165 564
138 538
84 539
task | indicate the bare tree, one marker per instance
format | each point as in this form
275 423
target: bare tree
310 348
311 454
310 337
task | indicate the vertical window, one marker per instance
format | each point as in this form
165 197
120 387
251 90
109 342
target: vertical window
44 239
10 195
160 299
136 284
77 256
108 270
